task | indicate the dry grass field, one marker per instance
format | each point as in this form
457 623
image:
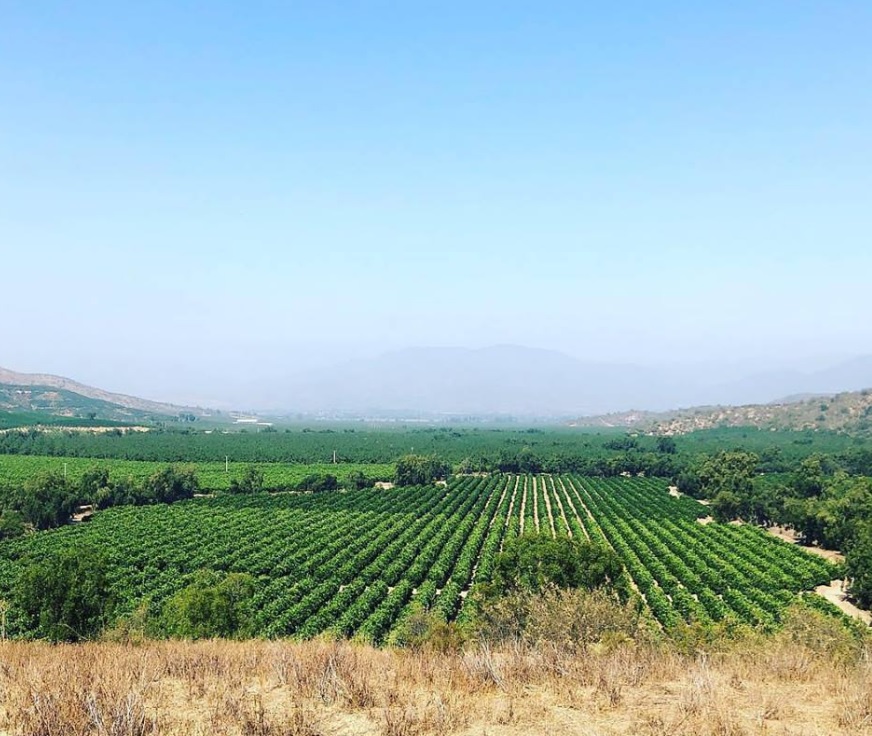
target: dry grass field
804 681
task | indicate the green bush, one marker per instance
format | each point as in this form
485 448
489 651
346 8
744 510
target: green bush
211 606
66 596
535 561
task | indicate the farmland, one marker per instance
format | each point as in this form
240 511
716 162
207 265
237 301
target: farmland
547 446
213 476
357 563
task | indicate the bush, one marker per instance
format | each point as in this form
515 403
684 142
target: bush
420 470
169 485
211 606
251 481
568 619
427 630
317 483
533 562
67 596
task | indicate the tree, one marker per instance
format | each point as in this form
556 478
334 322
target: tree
47 501
169 485
92 482
666 445
67 596
251 481
211 606
11 524
420 470
727 505
318 482
728 479
858 566
534 562
357 480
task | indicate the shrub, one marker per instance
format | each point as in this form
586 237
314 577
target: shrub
66 596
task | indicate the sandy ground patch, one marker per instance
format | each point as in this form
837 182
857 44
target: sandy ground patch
835 593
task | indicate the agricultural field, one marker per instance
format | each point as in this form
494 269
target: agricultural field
363 444
357 563
213 476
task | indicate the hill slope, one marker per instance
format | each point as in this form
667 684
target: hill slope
846 412
58 396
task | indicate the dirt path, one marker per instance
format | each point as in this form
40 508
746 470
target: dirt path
510 512
581 501
536 504
789 535
523 505
560 506
835 593
546 494
574 510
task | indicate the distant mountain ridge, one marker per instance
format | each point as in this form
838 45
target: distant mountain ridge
521 381
38 392
492 382
498 380
850 411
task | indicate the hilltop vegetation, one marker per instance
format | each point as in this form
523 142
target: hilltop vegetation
849 412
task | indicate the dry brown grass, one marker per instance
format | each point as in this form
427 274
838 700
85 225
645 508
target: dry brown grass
773 686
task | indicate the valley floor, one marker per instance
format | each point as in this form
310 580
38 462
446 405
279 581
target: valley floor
771 686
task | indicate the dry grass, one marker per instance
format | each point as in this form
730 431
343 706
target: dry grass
774 686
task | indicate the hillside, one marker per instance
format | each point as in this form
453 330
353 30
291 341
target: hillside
804 683
844 412
46 396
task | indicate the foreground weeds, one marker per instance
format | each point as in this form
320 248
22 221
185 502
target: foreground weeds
793 683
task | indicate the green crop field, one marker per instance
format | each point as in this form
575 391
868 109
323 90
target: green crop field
213 476
354 562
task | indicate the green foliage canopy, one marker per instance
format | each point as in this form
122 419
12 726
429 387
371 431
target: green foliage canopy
211 606
534 562
67 595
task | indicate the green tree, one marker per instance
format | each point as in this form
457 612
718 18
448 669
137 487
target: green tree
318 482
251 481
357 480
66 596
420 470
92 483
858 566
728 479
11 524
534 562
169 485
47 501
211 606
666 445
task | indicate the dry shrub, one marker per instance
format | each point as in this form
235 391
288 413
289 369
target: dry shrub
570 619
855 703
75 692
760 685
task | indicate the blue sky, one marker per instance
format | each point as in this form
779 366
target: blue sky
190 191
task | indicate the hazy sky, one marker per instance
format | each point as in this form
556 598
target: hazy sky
192 190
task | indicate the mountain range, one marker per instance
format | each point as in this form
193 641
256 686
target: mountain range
494 381
520 381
